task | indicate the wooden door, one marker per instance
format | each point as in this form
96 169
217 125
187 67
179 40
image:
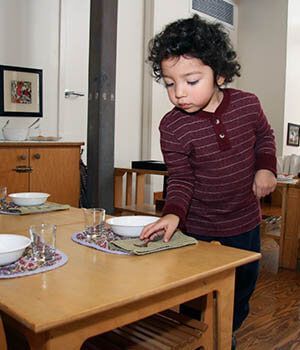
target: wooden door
55 170
74 38
14 170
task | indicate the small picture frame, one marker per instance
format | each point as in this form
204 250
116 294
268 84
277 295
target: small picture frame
293 134
21 92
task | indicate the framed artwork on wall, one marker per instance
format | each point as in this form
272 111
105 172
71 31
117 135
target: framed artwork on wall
21 92
293 134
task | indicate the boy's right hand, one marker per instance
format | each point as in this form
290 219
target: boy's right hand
167 223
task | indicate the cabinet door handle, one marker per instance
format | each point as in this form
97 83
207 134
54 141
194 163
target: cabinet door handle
36 156
22 169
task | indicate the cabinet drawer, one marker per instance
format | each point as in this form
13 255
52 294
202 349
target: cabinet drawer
13 159
55 171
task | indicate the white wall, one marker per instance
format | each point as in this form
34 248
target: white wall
164 12
129 78
262 53
31 35
29 38
52 35
292 95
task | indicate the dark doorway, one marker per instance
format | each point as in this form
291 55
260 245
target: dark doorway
101 105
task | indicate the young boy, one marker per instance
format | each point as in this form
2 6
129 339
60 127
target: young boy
217 144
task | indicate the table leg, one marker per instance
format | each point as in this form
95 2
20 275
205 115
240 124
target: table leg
208 338
282 226
225 298
2 336
38 342
290 228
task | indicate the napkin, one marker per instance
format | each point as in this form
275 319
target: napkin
19 210
127 245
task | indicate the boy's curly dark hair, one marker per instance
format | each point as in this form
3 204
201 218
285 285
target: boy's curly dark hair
197 38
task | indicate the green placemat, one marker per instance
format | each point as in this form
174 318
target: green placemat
128 245
44 208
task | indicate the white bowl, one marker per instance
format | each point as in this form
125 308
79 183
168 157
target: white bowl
12 247
29 198
15 134
130 226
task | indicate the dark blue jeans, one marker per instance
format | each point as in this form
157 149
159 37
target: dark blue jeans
246 275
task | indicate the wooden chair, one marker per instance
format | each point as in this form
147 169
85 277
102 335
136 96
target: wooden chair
134 191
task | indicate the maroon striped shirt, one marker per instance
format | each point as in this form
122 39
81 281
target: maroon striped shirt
212 159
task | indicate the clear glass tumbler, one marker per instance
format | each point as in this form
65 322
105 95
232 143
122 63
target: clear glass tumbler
94 219
43 238
3 195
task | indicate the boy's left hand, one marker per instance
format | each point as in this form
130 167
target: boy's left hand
264 183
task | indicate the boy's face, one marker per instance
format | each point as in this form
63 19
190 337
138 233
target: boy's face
190 84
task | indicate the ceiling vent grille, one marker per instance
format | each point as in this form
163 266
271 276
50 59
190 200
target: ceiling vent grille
218 9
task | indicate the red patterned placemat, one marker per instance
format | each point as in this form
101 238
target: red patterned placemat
99 243
26 265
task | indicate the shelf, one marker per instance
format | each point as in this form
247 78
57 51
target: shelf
166 330
270 210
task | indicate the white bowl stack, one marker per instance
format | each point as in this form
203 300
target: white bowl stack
15 134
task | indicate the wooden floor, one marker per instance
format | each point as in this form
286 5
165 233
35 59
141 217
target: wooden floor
274 320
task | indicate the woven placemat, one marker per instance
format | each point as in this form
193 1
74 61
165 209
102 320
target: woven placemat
25 210
109 242
99 243
27 266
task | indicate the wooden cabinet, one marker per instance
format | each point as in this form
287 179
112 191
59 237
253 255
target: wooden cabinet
42 167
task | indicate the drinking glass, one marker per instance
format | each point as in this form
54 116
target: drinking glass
43 238
3 195
94 219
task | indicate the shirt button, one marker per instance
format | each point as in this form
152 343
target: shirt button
217 121
221 136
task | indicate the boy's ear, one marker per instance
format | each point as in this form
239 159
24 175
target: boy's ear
220 80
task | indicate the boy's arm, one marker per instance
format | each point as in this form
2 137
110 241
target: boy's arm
181 176
265 163
265 149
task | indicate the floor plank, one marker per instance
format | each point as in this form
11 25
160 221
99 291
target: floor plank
274 320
